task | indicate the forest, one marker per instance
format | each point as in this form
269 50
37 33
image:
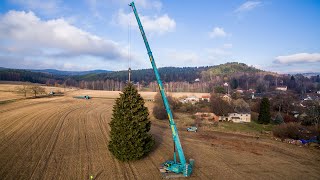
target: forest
175 79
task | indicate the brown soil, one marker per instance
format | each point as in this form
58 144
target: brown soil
67 138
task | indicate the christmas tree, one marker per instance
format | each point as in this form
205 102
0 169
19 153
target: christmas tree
130 125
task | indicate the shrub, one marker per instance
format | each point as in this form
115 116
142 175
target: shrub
294 131
288 119
219 106
187 108
159 110
202 106
254 116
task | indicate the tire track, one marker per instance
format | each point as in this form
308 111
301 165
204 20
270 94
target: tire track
52 117
47 145
106 134
89 165
96 114
28 104
57 168
49 150
22 124
22 109
25 147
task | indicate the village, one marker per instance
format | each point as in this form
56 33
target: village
294 108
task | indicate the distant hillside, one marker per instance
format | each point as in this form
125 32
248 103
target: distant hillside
69 73
177 74
186 79
233 67
28 76
310 74
168 74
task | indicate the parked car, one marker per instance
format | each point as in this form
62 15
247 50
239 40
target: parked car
192 129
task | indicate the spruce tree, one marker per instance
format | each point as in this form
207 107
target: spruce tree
264 113
130 125
278 119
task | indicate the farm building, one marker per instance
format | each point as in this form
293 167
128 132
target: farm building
236 117
239 91
205 98
190 99
282 88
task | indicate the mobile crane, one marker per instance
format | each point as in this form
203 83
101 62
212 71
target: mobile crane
170 168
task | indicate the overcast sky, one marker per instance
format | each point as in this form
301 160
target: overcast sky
277 35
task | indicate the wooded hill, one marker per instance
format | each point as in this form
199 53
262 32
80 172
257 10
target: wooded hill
27 76
191 79
232 69
168 74
68 73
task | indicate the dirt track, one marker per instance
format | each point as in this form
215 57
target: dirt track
66 138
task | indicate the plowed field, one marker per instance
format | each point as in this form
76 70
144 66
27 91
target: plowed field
67 138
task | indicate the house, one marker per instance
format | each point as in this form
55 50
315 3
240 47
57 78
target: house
318 92
252 96
295 114
303 115
236 117
251 91
205 98
308 98
282 88
239 91
197 80
190 99
257 95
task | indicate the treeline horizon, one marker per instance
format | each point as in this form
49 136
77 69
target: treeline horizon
175 79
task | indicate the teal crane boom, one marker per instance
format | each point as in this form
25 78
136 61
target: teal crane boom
172 165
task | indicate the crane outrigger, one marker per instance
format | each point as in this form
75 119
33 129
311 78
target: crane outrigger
170 168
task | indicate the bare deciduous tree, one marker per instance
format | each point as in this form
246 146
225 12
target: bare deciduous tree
241 106
219 106
23 89
36 89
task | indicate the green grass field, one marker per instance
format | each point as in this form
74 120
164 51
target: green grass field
247 128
